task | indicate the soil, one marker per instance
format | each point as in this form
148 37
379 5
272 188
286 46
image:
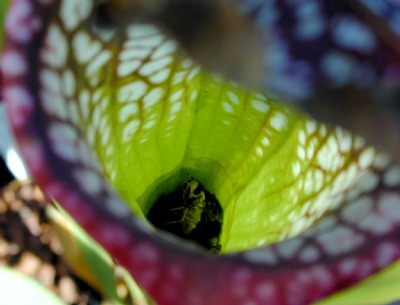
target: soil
28 244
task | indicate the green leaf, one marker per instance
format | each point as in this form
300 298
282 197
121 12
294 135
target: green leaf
18 289
3 8
380 289
91 262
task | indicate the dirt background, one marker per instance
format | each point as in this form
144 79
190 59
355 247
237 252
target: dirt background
28 244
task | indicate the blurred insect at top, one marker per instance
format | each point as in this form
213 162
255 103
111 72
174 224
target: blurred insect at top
212 32
294 48
337 59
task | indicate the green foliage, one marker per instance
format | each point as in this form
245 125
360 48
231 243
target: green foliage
380 289
92 263
3 7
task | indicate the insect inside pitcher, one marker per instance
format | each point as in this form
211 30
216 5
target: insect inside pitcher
201 215
194 204
190 212
196 207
